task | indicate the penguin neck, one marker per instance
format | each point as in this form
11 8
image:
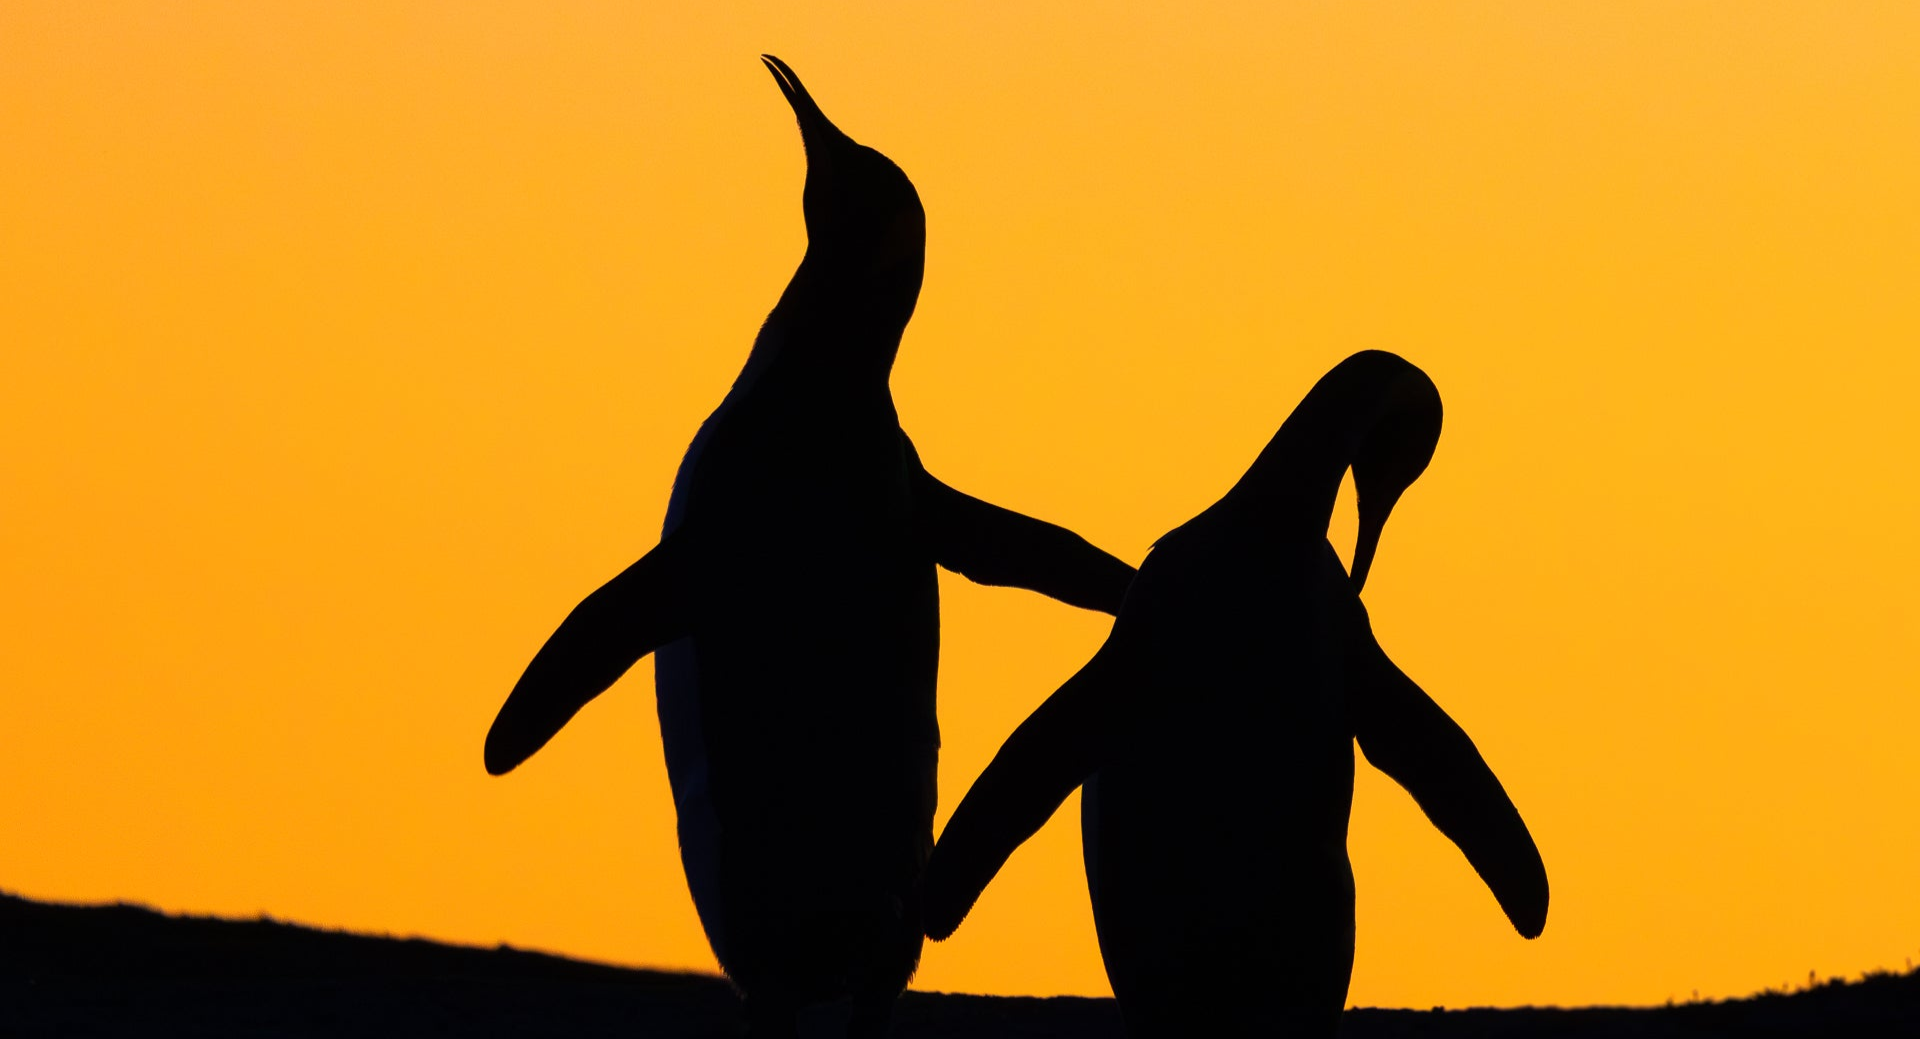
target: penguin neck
1294 482
830 331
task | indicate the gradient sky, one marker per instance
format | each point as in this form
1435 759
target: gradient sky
344 347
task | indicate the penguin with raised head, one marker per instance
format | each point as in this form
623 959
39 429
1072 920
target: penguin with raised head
1214 732
793 603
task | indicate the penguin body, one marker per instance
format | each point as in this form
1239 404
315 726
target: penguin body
1216 851
799 723
794 604
1214 732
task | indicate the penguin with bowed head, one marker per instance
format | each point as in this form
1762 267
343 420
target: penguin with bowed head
1214 733
793 604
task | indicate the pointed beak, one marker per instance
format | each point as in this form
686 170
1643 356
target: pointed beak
1373 520
815 128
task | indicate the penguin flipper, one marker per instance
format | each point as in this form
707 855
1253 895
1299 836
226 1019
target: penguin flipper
994 546
1051 753
625 619
1406 735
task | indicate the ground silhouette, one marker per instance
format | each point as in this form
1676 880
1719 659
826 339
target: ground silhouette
1214 731
122 970
794 606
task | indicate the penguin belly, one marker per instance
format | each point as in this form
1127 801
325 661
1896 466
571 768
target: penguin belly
799 728
1215 845
806 803
1215 917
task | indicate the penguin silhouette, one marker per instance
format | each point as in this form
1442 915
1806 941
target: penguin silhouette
1214 732
793 602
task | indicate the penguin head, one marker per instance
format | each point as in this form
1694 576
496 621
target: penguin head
1375 413
865 224
1392 453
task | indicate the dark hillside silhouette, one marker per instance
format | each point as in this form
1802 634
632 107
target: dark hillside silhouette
793 603
87 971
1214 732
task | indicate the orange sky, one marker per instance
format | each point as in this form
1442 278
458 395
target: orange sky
343 347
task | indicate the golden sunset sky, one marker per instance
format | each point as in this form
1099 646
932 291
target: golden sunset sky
345 346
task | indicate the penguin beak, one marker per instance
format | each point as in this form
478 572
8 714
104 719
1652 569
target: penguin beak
816 130
1373 520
